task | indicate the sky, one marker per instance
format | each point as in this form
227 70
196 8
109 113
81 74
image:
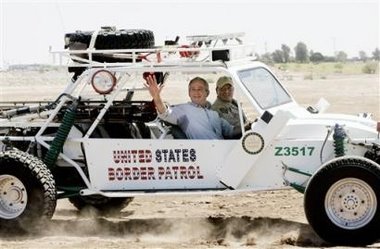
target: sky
28 28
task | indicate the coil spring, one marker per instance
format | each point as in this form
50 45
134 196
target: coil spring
339 137
60 138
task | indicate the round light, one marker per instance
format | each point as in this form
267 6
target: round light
103 81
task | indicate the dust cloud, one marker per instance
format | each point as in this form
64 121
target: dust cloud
74 229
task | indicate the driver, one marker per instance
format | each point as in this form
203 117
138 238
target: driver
195 118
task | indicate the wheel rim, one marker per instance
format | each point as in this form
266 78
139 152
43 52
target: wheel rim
350 203
13 197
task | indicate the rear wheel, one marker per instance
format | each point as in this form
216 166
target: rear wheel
102 204
342 202
27 190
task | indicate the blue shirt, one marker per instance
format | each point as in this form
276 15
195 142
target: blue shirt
198 122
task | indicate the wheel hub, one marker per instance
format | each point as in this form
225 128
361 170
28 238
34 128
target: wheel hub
350 203
13 197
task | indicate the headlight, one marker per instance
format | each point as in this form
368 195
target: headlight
103 81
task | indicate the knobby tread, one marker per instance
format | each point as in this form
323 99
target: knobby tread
118 39
39 170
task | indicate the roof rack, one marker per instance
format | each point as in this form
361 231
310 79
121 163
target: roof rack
203 49
208 39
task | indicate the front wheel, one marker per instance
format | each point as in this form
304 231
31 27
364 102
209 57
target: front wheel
342 202
27 191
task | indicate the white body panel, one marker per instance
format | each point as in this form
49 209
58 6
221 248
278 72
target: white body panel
123 164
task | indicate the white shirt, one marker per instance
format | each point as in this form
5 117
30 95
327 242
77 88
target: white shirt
198 122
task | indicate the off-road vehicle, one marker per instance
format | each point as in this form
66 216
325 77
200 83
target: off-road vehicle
100 142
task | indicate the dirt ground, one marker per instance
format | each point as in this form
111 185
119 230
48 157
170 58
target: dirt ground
269 219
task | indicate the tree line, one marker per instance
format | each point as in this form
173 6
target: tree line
303 55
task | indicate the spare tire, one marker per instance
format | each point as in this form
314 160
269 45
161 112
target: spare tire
113 39
108 38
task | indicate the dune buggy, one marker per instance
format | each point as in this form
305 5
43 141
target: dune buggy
100 142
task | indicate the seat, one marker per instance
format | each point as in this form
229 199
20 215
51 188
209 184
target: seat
177 132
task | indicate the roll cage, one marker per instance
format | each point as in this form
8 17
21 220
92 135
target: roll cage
95 108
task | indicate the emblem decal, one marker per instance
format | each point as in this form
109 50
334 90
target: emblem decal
253 143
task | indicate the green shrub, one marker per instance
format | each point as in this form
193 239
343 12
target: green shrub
370 68
338 68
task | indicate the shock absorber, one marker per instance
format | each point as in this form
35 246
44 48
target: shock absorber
339 137
62 133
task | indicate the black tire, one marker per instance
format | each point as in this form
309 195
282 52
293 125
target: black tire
342 202
118 39
106 39
27 177
102 204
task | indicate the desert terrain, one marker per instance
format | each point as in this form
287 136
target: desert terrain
268 219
